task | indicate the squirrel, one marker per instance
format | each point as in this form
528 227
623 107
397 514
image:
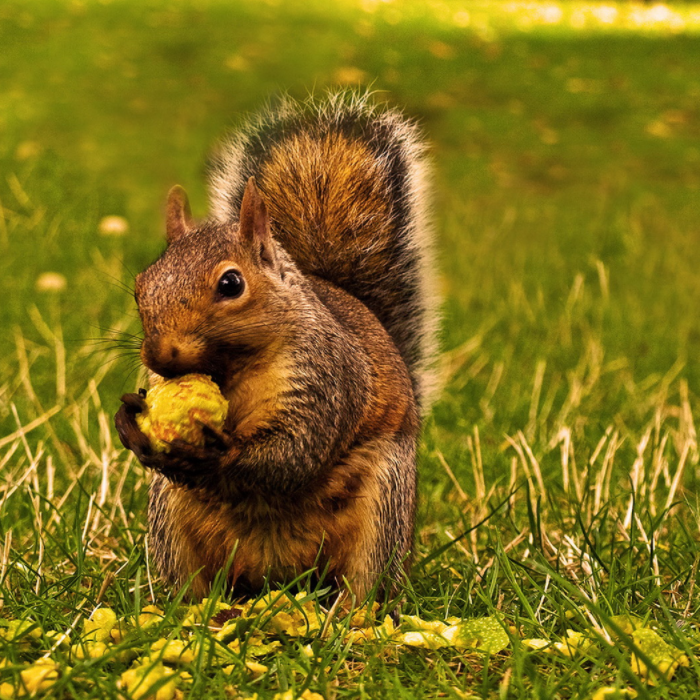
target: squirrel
307 297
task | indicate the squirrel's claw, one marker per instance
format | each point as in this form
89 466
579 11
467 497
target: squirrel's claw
135 402
205 456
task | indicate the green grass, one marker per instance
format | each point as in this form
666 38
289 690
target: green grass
567 202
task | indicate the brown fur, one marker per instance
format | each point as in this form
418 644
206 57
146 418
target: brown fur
328 207
345 181
319 355
280 541
334 522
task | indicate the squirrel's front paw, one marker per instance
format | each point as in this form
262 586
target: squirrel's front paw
188 465
130 434
182 462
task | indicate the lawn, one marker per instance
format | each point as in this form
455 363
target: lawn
559 469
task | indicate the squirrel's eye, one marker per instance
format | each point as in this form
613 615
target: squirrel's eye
231 284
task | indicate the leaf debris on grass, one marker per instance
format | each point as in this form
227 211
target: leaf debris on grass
253 631
240 634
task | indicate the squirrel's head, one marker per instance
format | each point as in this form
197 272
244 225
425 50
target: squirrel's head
216 295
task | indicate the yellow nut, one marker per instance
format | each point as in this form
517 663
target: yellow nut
177 409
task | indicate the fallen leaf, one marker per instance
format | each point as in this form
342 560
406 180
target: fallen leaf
485 634
665 657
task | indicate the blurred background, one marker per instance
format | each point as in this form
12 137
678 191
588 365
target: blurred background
564 139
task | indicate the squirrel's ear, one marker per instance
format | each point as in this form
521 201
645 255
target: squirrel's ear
178 218
255 223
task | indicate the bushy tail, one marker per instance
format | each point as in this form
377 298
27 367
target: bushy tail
344 183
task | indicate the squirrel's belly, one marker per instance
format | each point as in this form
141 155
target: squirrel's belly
198 534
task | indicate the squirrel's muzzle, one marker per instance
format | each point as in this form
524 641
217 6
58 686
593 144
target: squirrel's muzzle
172 355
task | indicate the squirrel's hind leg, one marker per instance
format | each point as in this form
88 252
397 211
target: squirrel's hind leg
378 545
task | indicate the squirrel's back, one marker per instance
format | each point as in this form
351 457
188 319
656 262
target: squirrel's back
344 184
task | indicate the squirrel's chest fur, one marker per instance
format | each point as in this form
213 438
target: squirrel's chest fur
265 380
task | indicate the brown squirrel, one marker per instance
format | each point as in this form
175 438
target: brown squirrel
306 297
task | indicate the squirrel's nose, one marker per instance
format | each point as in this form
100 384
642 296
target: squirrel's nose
171 356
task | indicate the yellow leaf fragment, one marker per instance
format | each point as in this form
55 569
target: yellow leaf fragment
88 650
229 632
59 638
99 627
150 615
272 601
416 623
359 636
172 651
573 643
147 681
284 623
119 631
536 644
386 629
608 693
310 695
306 695
369 634
256 669
22 631
421 638
263 649
195 613
364 616
626 623
307 622
484 633
308 652
40 676
666 658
